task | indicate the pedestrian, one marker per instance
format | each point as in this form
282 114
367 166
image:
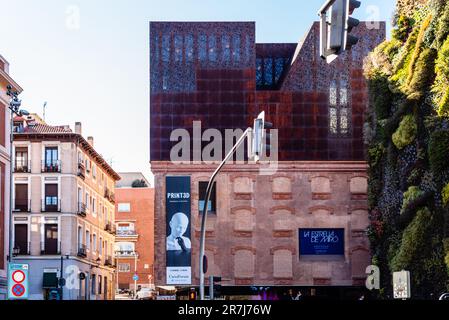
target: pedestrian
298 295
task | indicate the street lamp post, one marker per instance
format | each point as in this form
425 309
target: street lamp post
14 107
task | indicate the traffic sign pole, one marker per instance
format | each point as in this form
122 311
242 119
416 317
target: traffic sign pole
17 281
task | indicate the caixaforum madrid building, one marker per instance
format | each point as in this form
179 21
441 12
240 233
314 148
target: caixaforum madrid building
301 228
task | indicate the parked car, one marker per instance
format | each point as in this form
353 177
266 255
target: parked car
145 294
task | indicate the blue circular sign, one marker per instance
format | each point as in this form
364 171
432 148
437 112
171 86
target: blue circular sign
135 277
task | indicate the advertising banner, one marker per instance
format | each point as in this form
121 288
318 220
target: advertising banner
321 241
178 244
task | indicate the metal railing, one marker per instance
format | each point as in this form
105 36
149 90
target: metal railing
109 227
22 166
126 233
51 166
23 251
81 209
51 206
82 252
125 253
22 205
108 261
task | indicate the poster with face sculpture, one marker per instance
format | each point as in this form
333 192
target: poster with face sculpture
178 244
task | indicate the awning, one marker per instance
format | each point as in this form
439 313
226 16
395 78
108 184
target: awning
167 288
50 280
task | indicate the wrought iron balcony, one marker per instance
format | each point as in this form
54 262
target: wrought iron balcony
22 250
126 254
51 205
81 209
108 261
22 166
51 166
22 205
82 251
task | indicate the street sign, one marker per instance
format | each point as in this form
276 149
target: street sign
17 281
401 285
135 277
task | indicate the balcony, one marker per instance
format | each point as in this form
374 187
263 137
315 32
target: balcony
53 166
22 205
126 233
81 209
108 194
108 261
109 227
51 249
82 251
51 205
81 170
22 166
22 250
126 254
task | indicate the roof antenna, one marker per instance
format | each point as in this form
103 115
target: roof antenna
45 105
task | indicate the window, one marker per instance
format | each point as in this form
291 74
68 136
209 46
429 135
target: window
339 110
188 40
21 238
51 198
211 208
94 243
156 48
202 47
166 48
21 160
226 48
236 47
94 282
101 246
247 48
94 172
259 72
94 212
87 240
124 248
124 207
124 267
178 48
21 202
51 239
87 201
212 48
99 284
80 237
125 229
268 71
51 162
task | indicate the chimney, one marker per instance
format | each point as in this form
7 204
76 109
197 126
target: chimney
78 128
91 141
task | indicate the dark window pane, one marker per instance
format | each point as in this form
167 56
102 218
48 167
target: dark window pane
259 72
268 71
226 48
202 197
202 47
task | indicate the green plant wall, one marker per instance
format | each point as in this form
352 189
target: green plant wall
408 149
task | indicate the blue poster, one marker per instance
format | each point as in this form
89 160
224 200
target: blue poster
321 242
178 243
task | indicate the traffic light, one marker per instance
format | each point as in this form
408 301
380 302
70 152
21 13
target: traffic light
335 37
259 137
192 294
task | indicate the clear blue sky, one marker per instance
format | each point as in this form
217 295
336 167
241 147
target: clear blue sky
95 69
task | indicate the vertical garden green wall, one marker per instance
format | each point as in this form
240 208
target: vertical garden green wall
407 131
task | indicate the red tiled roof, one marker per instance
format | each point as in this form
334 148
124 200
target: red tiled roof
43 128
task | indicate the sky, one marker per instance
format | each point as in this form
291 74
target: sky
89 59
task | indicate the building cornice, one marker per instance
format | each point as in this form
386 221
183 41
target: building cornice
282 166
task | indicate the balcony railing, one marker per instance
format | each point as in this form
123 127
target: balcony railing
22 205
108 194
125 253
81 172
82 251
109 227
81 209
23 251
50 251
126 233
108 261
51 205
51 166
22 166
